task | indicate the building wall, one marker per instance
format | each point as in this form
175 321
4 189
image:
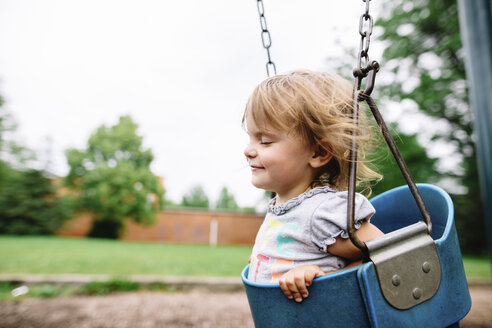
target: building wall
181 227
80 226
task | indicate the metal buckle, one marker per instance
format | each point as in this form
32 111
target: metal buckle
407 265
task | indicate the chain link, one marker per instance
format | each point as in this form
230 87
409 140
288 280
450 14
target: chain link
266 39
365 30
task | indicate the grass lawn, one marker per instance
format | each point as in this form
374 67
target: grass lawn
52 255
478 268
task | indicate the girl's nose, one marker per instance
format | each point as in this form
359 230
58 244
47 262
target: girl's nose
250 152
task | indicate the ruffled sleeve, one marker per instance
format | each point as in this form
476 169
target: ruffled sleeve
329 220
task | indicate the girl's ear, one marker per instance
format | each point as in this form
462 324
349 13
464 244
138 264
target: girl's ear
322 154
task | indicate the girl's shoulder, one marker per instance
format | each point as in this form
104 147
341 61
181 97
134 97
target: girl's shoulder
338 200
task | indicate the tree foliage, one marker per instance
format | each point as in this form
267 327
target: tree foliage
12 153
29 203
196 197
425 55
112 178
226 201
422 167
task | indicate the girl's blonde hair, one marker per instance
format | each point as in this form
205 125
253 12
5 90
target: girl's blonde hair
317 107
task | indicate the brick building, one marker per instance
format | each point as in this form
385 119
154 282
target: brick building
180 227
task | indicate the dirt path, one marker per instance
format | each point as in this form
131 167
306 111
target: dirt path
480 315
193 309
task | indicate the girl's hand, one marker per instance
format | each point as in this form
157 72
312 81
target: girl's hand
294 283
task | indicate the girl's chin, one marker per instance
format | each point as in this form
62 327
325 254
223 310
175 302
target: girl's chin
259 184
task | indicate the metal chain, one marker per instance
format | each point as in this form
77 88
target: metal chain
365 30
266 38
360 72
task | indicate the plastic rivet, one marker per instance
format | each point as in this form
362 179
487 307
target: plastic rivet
426 267
417 293
396 280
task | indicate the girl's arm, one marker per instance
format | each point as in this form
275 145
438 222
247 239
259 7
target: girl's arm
344 247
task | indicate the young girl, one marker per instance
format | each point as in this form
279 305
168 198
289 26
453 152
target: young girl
300 132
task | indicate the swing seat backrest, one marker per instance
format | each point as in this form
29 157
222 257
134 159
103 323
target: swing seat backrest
352 297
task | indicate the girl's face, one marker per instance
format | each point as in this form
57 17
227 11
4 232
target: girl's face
279 161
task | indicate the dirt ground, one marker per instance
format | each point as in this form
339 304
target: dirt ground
191 309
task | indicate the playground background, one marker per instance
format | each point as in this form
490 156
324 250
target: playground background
61 274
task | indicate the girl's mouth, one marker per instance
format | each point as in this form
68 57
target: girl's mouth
256 168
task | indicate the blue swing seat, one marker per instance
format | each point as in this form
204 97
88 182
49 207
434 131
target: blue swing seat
352 297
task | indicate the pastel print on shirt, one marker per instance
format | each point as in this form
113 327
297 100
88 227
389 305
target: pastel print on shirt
276 229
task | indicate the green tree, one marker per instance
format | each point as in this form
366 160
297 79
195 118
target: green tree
4 168
421 166
112 178
29 204
425 57
226 201
12 153
196 197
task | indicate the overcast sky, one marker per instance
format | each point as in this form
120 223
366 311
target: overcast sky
182 70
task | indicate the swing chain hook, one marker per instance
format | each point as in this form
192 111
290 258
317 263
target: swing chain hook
266 38
371 71
360 72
